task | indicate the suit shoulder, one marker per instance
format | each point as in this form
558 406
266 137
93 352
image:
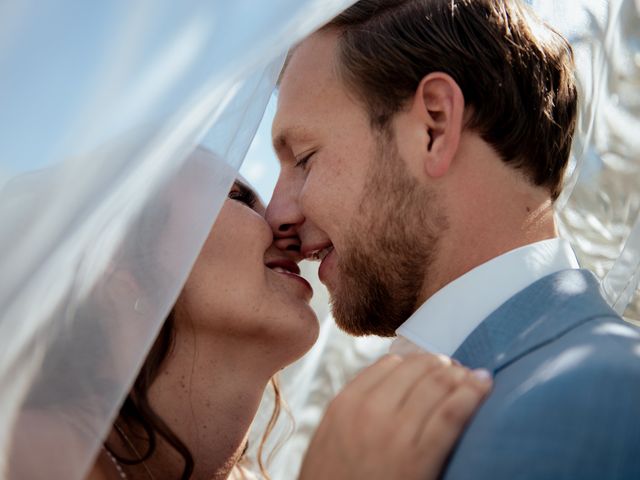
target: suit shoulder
601 355
599 344
572 402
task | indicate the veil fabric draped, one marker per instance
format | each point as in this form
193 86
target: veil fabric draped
106 198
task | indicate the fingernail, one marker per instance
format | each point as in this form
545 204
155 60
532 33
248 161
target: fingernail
444 359
482 374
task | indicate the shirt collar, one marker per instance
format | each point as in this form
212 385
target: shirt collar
449 316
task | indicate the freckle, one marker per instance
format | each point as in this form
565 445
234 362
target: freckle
528 210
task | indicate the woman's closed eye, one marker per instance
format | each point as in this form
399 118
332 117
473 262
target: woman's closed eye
243 194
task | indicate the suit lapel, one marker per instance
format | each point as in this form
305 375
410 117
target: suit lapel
537 315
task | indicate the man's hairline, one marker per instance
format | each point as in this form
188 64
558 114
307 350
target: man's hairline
295 46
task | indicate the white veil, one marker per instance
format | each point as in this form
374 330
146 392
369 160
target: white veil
104 203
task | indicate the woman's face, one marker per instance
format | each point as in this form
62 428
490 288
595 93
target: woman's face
242 286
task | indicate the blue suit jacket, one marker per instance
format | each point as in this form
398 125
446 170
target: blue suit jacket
566 396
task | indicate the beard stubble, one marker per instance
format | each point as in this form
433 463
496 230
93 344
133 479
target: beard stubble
391 248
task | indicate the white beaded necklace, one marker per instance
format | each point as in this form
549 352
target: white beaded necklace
115 462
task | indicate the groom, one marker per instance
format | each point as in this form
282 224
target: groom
422 145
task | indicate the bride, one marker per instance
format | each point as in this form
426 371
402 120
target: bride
242 316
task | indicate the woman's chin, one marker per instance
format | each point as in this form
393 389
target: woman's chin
291 341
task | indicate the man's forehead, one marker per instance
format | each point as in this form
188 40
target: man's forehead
308 77
316 51
290 123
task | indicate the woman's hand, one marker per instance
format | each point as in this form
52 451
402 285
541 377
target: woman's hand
399 418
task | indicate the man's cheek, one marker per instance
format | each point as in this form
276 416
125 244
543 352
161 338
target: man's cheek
308 198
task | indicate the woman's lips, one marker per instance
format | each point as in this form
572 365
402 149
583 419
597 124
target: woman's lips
291 270
284 264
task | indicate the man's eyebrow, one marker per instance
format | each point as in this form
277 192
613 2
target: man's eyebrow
286 136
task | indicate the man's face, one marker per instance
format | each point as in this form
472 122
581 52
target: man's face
345 191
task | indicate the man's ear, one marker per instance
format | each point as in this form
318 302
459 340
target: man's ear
439 103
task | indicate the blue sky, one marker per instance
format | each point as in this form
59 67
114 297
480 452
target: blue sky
260 166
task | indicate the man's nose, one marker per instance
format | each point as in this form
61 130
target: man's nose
285 217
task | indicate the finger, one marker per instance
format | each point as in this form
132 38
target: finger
444 426
429 392
373 374
392 390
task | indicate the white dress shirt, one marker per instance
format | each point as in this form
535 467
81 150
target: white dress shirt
449 316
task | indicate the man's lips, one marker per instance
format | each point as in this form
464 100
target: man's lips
327 263
323 252
317 252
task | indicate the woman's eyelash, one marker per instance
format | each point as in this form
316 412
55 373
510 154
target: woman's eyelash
303 161
243 195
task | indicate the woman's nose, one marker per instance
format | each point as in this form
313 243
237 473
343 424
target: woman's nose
290 246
